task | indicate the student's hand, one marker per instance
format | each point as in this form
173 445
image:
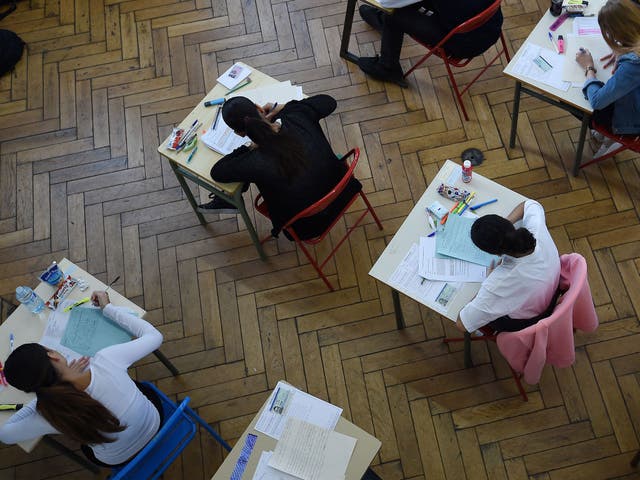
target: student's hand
79 366
584 58
610 59
100 298
271 110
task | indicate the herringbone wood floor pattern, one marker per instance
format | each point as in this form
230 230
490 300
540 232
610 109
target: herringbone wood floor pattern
81 118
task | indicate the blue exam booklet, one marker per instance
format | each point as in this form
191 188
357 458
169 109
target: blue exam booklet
89 331
455 241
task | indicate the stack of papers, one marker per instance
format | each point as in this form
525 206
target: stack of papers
223 140
455 241
438 267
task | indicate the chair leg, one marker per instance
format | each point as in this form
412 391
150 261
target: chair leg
370 208
208 428
166 362
635 460
316 266
456 90
516 377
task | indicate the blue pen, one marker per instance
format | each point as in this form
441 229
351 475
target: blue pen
215 122
275 395
192 154
11 338
483 204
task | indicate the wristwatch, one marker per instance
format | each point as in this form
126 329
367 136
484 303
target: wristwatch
590 67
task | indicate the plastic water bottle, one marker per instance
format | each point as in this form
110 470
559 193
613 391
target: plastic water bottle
30 299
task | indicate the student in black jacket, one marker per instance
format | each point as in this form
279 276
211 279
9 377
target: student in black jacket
428 21
289 160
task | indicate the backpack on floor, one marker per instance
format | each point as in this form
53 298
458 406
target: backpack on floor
11 51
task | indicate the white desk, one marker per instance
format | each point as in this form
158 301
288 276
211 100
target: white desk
366 448
572 100
416 226
28 328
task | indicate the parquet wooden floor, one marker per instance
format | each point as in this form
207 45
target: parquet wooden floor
81 117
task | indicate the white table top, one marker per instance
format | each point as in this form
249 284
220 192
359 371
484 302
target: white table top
539 36
416 226
27 328
366 448
205 158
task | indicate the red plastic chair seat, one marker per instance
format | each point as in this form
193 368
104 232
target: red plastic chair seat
627 142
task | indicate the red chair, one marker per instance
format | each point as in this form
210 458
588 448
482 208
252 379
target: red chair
627 142
549 341
465 27
318 207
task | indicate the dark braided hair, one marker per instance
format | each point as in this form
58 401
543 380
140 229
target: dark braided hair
497 235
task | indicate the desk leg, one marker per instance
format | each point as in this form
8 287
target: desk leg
579 150
398 309
468 361
71 454
346 32
370 475
166 362
239 203
514 115
187 191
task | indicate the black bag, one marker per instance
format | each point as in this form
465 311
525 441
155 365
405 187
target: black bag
11 50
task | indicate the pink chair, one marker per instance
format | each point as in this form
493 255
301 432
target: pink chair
550 340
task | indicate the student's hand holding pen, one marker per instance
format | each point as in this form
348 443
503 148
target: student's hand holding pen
271 110
100 299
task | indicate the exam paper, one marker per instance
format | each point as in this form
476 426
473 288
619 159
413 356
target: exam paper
223 139
312 453
265 472
586 26
89 331
299 405
53 332
446 269
455 241
437 295
526 67
572 71
280 92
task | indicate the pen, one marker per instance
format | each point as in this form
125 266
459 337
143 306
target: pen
488 202
10 406
275 395
11 339
217 101
112 283
193 152
444 219
238 87
215 122
467 201
553 42
79 302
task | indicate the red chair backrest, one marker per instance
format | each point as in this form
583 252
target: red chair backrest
474 22
325 201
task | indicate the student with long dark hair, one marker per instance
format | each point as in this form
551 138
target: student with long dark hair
522 289
290 160
100 406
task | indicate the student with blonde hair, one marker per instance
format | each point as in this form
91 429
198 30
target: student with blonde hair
616 103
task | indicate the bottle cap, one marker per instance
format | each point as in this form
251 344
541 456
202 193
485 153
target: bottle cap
467 164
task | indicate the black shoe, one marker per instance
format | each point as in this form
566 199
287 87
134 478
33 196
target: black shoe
217 205
373 16
372 66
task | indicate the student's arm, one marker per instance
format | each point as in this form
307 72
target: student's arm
148 337
318 106
25 424
517 213
625 80
233 167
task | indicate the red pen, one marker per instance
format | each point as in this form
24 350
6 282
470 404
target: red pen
560 44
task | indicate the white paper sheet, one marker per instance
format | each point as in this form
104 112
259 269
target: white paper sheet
446 269
586 26
265 472
572 71
234 75
53 332
406 278
280 92
526 67
299 405
312 453
223 140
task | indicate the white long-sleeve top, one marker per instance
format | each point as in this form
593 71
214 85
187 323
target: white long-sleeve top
112 387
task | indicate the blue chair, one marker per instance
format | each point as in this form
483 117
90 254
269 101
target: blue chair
176 432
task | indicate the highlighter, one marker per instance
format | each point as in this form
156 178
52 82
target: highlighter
560 44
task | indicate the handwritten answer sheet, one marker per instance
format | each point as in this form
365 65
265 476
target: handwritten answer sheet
446 269
312 453
53 332
572 71
89 331
265 472
526 66
455 241
299 405
437 295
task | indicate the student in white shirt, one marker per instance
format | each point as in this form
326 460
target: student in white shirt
522 289
100 406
